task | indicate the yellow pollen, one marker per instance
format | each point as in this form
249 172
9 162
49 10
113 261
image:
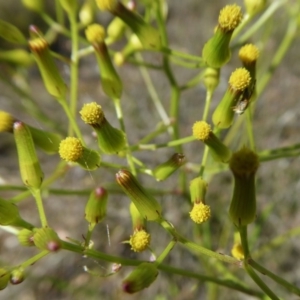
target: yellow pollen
230 17
70 149
95 34
200 213
92 113
249 54
201 130
139 241
239 79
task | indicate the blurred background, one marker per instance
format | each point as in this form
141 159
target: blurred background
276 124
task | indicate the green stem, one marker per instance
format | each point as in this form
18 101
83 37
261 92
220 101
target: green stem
34 259
89 235
244 241
259 282
273 276
39 203
119 113
271 154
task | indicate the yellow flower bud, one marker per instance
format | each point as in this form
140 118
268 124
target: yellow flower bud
239 81
72 150
253 7
216 52
110 140
211 79
6 122
140 240
202 131
86 13
200 212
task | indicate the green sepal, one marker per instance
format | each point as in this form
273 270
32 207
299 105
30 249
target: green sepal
242 209
110 140
216 52
198 188
90 159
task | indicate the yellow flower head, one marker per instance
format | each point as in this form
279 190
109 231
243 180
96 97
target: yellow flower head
139 241
92 113
70 149
239 79
200 212
230 17
95 34
248 54
6 122
38 45
201 130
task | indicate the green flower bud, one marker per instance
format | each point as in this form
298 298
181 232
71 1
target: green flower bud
239 81
4 278
202 131
72 150
46 239
198 188
17 276
146 204
216 52
140 240
110 80
6 122
110 140
211 79
115 30
86 13
9 215
35 5
140 278
243 165
25 237
166 169
11 33
50 74
138 222
147 34
253 7
18 57
30 169
95 209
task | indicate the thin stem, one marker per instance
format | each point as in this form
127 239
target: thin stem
259 282
29 262
89 234
39 203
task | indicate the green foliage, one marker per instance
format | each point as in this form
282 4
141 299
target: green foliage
133 165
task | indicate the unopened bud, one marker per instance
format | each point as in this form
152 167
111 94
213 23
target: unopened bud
30 169
166 169
146 204
17 276
46 239
25 237
140 278
4 278
202 131
34 5
95 209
